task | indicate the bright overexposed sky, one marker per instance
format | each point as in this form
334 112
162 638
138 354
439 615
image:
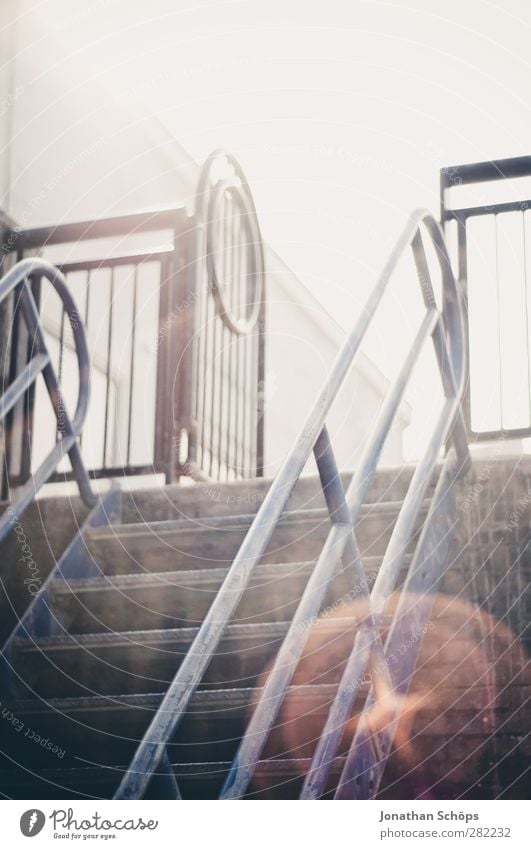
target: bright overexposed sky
341 113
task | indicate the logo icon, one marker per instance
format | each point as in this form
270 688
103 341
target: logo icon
32 822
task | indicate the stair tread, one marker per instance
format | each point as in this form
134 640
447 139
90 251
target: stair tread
231 697
186 577
202 699
191 577
213 498
235 522
212 542
300 765
97 690
163 635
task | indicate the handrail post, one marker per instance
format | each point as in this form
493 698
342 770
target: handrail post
18 280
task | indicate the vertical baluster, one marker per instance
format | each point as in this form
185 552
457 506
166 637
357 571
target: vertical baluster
60 360
203 343
132 365
108 372
462 271
496 242
254 390
208 378
246 389
240 343
526 301
229 295
206 340
224 335
258 469
86 323
29 399
217 328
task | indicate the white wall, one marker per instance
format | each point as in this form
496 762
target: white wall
77 152
301 345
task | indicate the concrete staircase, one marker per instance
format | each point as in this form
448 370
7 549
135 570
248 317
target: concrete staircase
85 694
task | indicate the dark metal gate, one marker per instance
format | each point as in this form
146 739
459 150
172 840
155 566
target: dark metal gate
173 306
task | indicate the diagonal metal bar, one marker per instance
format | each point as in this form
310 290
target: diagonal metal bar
190 673
290 652
164 784
449 378
67 427
340 544
362 772
40 363
369 460
75 562
152 747
20 385
385 583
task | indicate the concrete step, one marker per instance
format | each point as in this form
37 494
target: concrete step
275 778
196 780
142 661
215 499
210 542
180 599
146 661
107 730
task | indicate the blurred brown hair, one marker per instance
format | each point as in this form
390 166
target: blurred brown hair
448 716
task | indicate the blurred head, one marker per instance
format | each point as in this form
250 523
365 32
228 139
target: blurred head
446 717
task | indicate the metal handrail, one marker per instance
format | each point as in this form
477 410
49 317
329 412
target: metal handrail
446 329
40 363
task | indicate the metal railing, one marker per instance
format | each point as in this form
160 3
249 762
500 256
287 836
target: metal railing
226 436
19 281
492 239
127 272
366 760
173 308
